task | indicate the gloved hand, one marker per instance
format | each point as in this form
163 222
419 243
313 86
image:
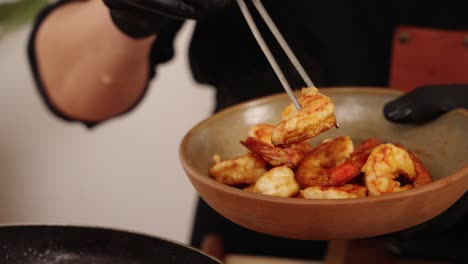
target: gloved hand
438 237
426 103
142 18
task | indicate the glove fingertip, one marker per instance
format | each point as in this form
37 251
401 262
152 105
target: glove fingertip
396 111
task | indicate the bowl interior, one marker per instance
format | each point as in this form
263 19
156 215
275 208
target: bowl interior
441 144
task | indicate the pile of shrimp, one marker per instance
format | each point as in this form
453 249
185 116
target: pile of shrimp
280 161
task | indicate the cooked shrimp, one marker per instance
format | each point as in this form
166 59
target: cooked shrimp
262 132
314 168
351 168
259 142
278 181
384 165
345 191
245 169
316 116
290 156
422 174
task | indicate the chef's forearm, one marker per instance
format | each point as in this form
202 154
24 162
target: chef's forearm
89 70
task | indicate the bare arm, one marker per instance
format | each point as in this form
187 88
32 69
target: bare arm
90 70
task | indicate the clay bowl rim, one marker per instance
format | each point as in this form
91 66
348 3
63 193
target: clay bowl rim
206 180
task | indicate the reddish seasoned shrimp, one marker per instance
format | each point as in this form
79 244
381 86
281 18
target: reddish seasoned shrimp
384 165
245 169
259 142
290 156
262 132
351 168
316 116
314 167
278 181
422 174
345 191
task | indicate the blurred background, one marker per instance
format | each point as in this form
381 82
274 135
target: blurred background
125 173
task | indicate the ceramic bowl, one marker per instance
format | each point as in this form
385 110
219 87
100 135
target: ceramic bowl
442 145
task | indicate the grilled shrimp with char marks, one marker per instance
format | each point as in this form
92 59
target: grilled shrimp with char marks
245 169
316 116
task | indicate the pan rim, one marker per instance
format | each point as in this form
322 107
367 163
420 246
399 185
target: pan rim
87 226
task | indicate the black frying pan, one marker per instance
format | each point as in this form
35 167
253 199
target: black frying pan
53 244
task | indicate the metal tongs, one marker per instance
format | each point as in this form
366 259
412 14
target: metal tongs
284 45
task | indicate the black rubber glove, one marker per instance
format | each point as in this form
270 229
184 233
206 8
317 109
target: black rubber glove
445 236
142 18
426 103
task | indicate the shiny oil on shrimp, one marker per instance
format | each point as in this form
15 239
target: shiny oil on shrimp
314 168
262 132
241 170
290 156
385 164
259 142
316 116
351 168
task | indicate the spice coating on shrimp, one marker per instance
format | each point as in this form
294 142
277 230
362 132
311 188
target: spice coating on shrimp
316 116
259 142
245 169
278 181
351 168
345 191
386 163
315 166
262 132
290 156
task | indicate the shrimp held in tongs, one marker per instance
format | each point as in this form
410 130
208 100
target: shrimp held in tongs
316 116
316 113
386 164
